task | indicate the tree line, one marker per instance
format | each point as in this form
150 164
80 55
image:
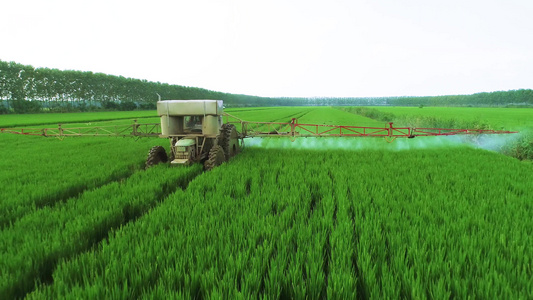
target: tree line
25 89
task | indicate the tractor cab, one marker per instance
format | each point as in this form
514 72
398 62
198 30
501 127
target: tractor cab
187 118
194 128
193 124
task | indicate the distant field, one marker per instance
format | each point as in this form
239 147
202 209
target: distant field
44 119
328 116
257 114
304 114
506 118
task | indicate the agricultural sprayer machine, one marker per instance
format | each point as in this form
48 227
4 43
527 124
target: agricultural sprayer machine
200 131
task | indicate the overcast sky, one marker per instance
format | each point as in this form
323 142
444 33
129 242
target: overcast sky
290 48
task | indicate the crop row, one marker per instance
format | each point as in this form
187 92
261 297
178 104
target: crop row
43 171
341 224
206 240
32 245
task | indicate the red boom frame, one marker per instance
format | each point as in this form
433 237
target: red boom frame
295 129
291 129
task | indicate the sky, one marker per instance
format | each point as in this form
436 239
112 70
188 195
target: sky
276 48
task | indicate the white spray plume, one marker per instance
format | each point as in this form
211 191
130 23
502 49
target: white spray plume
494 142
488 142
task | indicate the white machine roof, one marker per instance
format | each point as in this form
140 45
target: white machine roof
189 107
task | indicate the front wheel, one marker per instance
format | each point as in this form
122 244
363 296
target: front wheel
216 158
156 155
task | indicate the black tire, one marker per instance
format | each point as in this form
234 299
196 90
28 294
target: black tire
156 155
229 140
216 158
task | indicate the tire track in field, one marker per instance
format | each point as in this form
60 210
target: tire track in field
319 204
362 287
45 272
71 192
327 253
301 114
283 119
325 264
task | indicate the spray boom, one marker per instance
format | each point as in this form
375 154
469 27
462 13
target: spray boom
292 129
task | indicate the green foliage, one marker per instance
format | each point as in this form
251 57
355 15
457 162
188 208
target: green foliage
522 97
522 148
24 106
3 108
60 91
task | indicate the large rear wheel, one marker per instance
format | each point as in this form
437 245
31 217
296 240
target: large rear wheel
216 158
229 140
156 155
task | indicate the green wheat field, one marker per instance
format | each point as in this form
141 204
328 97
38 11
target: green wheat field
359 218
